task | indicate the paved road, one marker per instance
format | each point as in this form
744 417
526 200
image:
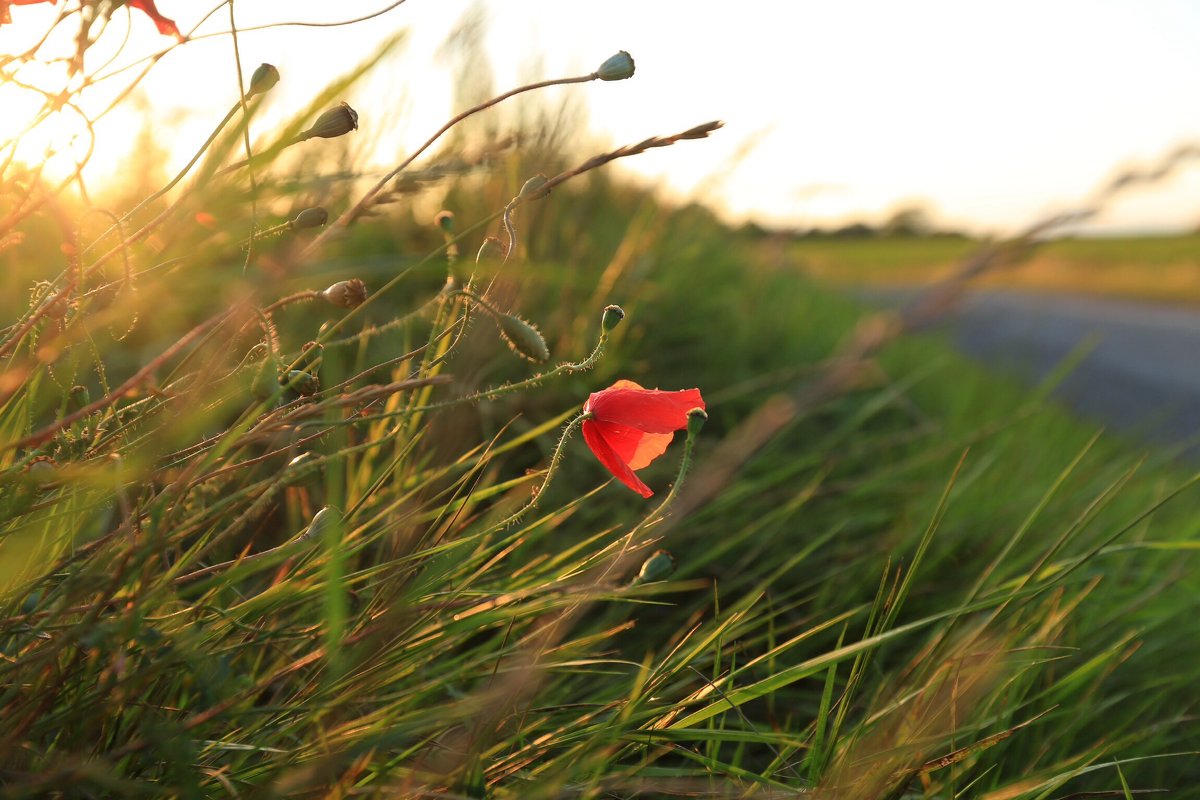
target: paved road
1141 375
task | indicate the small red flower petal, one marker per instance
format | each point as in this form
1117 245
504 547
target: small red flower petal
636 448
165 26
4 4
594 436
648 410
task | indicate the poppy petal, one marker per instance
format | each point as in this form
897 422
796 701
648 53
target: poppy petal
165 26
6 17
648 410
592 434
651 447
636 448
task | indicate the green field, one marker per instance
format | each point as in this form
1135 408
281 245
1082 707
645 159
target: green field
1162 268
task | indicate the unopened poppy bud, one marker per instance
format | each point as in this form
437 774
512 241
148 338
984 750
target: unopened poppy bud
337 121
523 338
266 379
617 67
314 217
346 294
656 568
696 419
303 383
445 221
322 521
530 190
263 80
611 318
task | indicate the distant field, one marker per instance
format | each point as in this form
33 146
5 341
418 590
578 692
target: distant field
1165 268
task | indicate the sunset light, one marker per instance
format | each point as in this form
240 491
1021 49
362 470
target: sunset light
619 400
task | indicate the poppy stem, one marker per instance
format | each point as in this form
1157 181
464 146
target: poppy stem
567 368
696 419
555 459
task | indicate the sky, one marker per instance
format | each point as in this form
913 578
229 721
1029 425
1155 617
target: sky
989 115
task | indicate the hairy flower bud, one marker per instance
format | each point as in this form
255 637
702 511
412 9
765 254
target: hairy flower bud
523 338
314 217
346 294
696 419
611 318
263 80
617 67
337 121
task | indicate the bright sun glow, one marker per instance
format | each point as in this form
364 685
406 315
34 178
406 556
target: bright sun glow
833 111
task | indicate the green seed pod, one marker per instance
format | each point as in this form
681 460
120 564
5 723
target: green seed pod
696 419
611 318
523 338
314 217
656 568
328 517
263 80
337 121
42 471
616 67
79 398
302 383
531 190
346 294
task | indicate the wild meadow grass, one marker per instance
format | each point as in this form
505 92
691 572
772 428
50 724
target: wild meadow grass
269 532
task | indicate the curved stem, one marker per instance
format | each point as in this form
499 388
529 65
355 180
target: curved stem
555 459
344 220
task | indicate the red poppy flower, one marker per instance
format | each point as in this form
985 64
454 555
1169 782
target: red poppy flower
630 426
165 26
